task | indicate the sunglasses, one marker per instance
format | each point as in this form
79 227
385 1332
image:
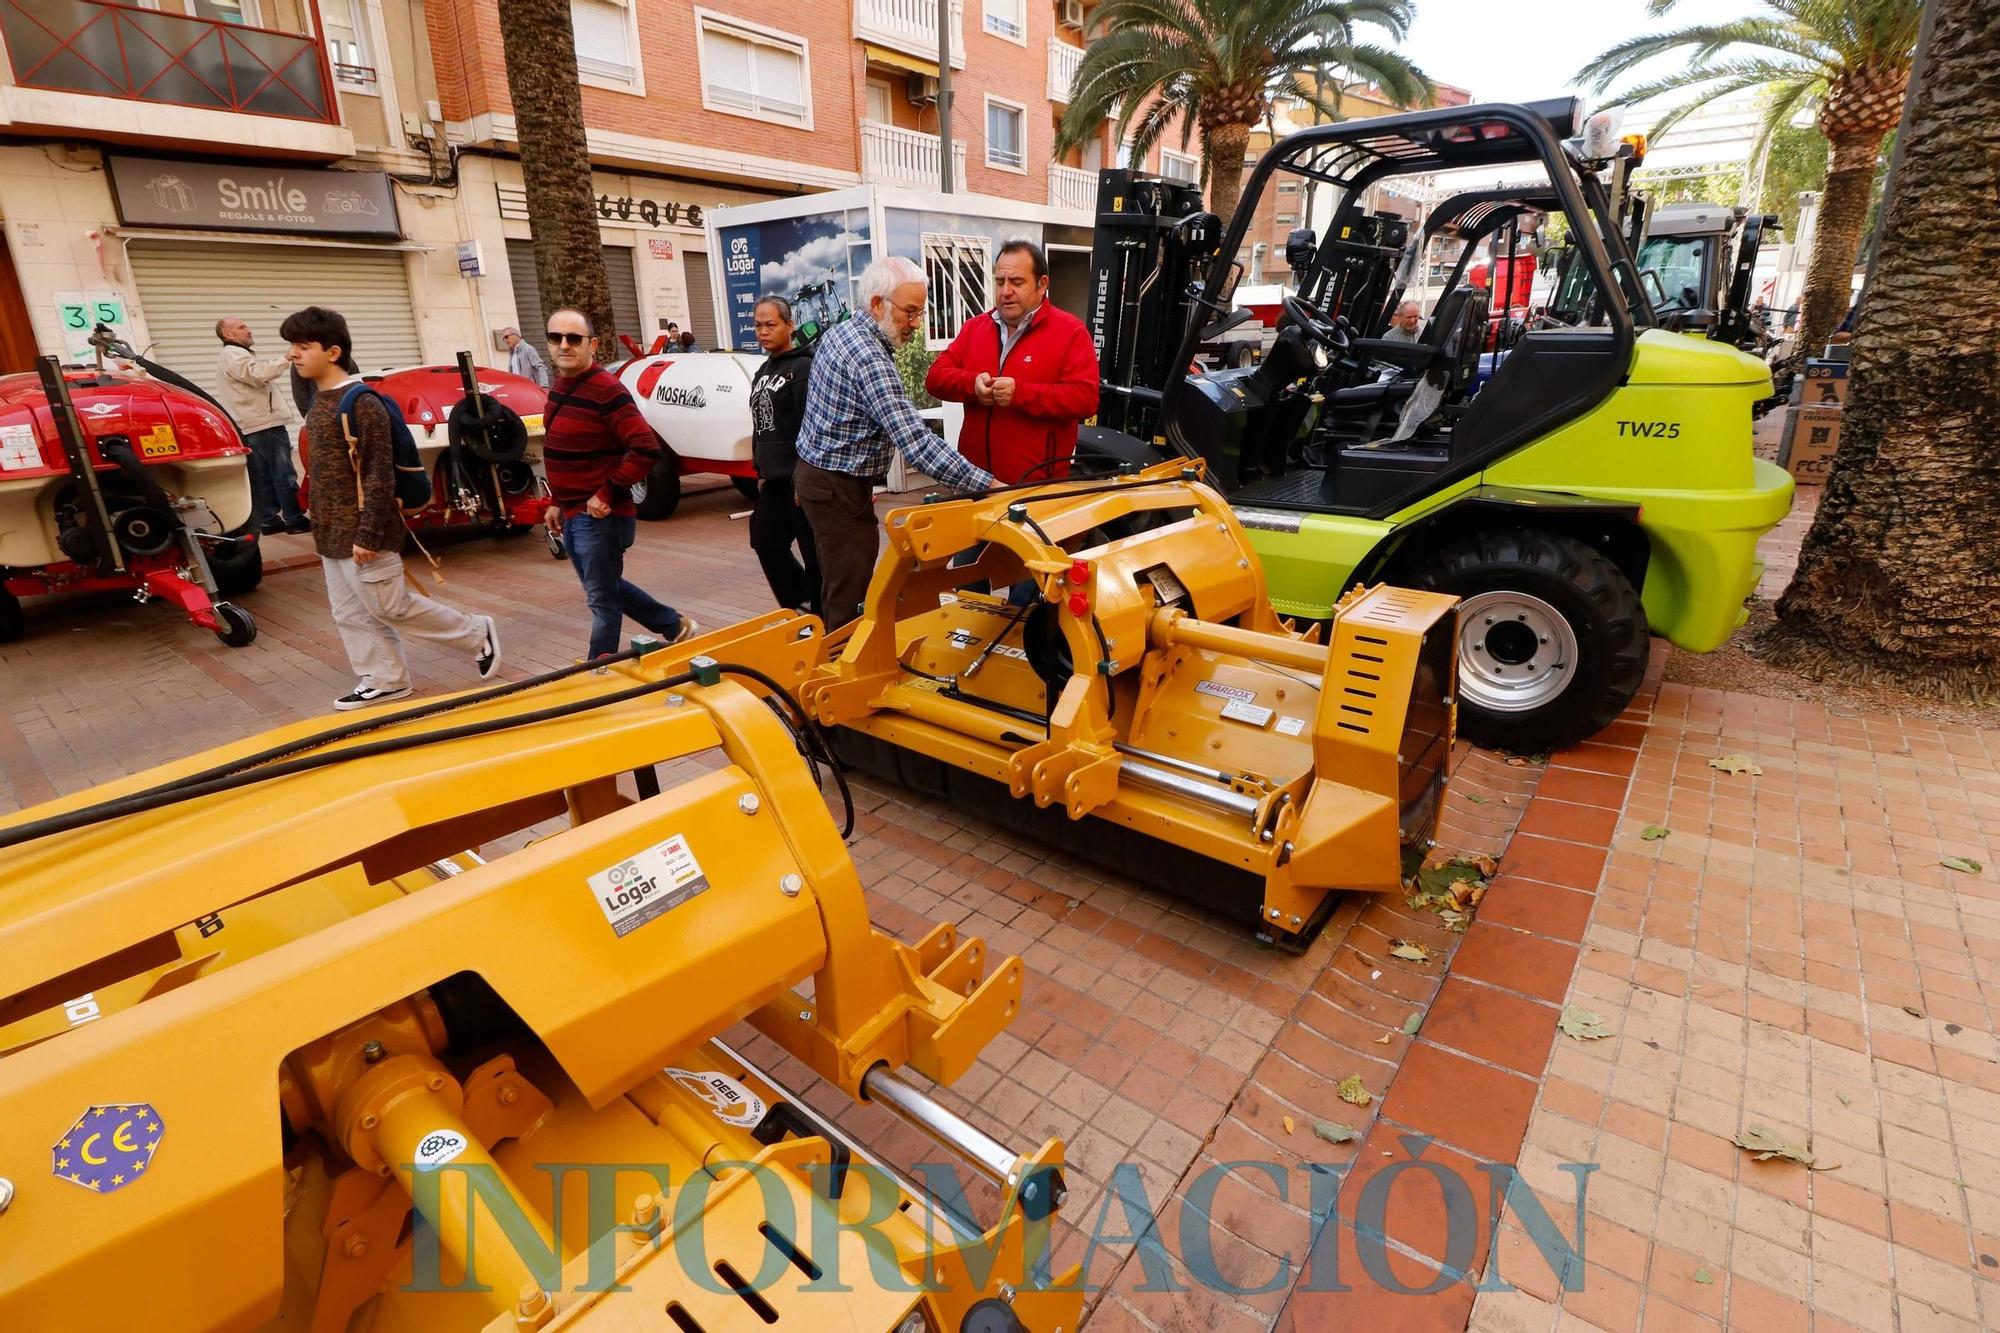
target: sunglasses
567 339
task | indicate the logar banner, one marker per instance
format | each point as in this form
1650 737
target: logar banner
812 262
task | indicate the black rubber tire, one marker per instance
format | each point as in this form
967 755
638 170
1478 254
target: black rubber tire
1592 595
660 494
745 486
12 622
238 566
238 630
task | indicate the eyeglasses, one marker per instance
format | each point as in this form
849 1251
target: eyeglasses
567 339
909 311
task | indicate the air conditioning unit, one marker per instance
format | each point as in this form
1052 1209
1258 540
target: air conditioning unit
923 89
1072 14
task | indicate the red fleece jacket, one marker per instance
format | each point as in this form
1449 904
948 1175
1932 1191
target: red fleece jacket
1054 368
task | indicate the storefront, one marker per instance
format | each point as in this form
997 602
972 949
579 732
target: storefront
161 248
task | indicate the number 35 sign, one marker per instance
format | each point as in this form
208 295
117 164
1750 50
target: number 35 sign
77 313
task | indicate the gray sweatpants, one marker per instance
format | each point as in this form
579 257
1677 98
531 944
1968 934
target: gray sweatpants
374 606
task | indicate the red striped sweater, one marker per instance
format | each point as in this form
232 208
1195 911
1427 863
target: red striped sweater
594 442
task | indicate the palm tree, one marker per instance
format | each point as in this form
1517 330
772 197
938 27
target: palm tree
1214 63
1850 57
1897 574
555 161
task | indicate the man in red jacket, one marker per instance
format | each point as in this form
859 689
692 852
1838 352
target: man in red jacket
1025 370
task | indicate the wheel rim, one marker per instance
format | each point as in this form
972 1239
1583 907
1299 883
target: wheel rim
1515 651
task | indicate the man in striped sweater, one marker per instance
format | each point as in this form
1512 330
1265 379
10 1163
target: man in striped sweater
595 448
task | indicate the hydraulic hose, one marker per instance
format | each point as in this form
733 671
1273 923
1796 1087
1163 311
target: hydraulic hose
234 776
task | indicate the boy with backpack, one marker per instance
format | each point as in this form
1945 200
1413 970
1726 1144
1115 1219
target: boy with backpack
355 436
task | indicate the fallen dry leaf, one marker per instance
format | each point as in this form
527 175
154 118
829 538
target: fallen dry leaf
1582 1024
1767 1143
1412 1023
1654 832
1704 1277
1964 865
1845 1100
1352 1091
1384 1039
1737 763
1333 1133
1408 952
1913 1011
1288 1123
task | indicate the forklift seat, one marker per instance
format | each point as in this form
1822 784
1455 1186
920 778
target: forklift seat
1450 346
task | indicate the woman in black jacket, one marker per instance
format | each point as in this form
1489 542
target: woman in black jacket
777 404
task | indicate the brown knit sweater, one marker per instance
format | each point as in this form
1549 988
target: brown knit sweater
340 523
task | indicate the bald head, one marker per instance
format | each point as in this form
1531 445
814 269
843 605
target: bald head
231 330
1407 317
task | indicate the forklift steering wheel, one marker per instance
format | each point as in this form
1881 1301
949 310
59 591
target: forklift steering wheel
1334 332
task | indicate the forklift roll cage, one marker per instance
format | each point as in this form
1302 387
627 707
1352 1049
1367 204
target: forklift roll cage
1352 155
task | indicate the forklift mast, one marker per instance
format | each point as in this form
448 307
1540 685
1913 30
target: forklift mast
1151 244
1355 271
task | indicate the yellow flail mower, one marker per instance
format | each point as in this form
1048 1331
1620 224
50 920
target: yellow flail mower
1096 663
277 1051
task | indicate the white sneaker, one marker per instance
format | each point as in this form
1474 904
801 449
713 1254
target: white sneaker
364 696
488 660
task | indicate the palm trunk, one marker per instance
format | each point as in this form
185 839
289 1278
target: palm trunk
555 161
1898 571
1223 146
1843 216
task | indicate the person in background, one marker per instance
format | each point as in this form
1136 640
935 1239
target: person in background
857 414
1403 325
523 359
1026 371
595 447
358 530
777 405
250 395
687 341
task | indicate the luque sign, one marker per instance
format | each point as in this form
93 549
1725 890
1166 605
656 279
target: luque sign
231 196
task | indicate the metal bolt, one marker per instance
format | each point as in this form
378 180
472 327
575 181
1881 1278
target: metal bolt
1007 1292
1030 1190
790 886
369 1122
356 1246
1295 921
508 1094
1062 1197
1274 914
6 1193
372 1052
676 700
748 803
805 1015
533 1301
434 1082
1243 564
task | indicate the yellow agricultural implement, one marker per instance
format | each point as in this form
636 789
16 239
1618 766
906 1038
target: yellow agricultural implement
276 1051
1128 694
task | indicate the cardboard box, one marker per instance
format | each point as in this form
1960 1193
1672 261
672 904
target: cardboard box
1826 384
1810 442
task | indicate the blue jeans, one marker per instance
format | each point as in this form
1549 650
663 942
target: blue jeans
274 485
597 548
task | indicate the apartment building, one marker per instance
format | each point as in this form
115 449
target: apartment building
168 162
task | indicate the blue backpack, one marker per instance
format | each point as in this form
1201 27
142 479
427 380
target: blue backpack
413 479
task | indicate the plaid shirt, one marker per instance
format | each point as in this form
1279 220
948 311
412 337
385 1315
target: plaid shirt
857 411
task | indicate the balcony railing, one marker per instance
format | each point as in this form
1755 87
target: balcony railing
1072 187
110 50
890 154
1064 61
910 26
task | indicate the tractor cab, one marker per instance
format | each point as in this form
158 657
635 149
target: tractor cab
1575 472
1706 259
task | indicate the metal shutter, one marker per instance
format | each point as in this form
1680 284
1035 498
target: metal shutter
185 286
618 272
701 299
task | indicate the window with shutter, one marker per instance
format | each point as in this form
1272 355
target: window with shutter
1007 18
606 44
754 72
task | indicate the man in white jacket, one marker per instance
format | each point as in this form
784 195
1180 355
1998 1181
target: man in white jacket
250 393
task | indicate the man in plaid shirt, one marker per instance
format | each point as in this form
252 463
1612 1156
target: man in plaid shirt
857 412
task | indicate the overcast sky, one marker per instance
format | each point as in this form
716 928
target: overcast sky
1516 52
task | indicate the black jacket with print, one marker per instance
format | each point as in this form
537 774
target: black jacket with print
777 405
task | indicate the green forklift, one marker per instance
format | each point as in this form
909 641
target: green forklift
1595 487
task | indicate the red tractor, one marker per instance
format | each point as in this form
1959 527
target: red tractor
475 430
114 480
